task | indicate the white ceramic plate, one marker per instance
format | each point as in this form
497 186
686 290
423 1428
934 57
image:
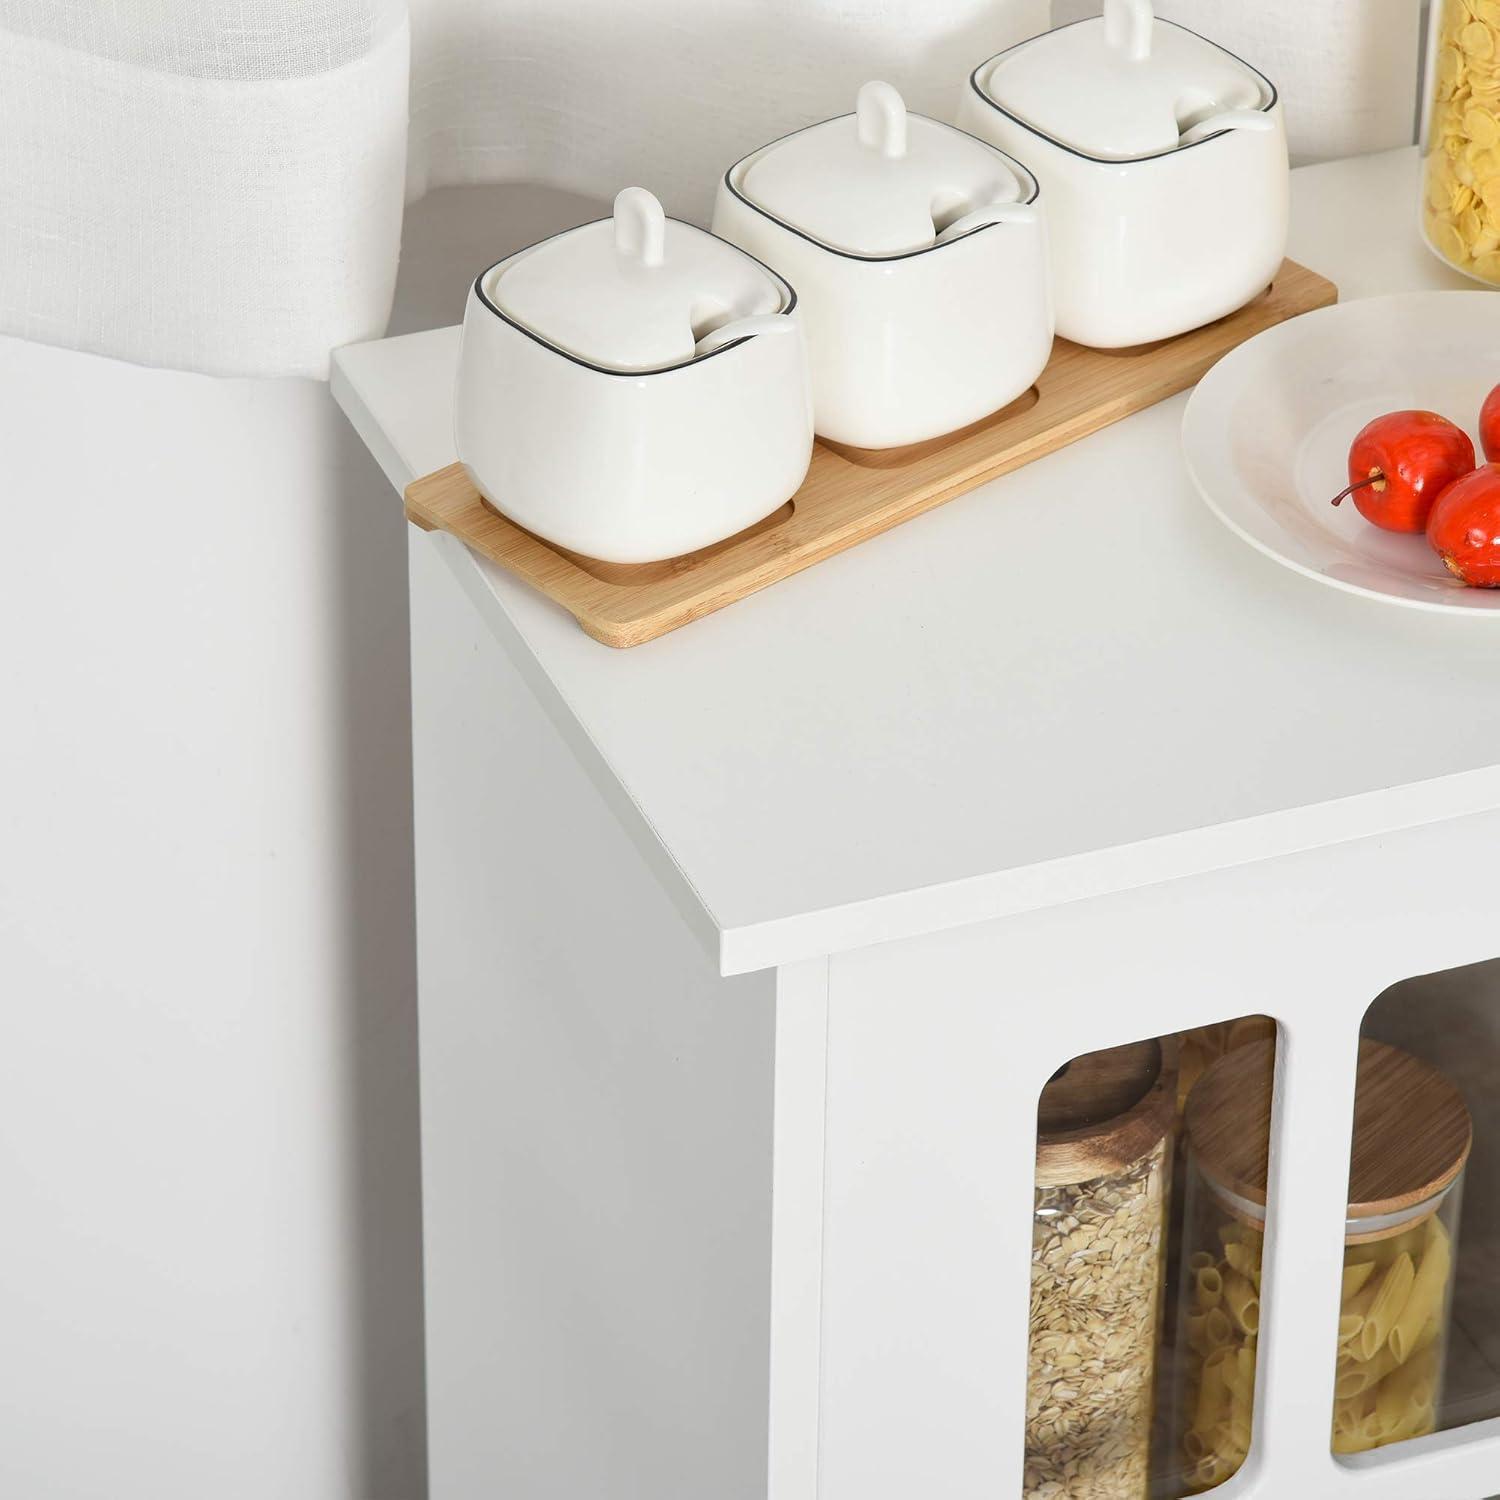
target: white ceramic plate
1267 434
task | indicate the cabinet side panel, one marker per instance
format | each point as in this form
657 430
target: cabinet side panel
930 1152
797 1229
596 1115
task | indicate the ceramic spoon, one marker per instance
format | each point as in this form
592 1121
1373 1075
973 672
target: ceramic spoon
991 213
640 235
1229 119
1128 27
757 326
881 122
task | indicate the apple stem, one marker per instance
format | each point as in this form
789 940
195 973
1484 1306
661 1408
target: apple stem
1376 478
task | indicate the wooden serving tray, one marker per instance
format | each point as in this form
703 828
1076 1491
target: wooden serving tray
849 493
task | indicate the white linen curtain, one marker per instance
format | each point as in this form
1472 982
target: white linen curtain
208 184
218 185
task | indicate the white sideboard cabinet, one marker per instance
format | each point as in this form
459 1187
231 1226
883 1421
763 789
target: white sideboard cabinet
745 954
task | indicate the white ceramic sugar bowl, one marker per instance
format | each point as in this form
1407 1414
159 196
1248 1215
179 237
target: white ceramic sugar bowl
634 389
919 254
1163 164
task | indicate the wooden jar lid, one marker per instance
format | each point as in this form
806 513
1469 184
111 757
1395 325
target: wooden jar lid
1412 1131
1103 1112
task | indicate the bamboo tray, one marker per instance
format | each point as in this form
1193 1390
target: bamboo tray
850 493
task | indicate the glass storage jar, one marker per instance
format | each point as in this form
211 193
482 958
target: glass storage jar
1461 139
1200 1048
1103 1162
1412 1136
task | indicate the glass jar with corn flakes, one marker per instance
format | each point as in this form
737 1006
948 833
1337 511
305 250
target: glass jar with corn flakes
1412 1136
1461 141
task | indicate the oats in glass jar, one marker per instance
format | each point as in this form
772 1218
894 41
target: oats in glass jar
1104 1150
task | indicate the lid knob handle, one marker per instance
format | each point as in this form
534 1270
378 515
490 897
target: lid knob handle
881 114
640 227
1127 27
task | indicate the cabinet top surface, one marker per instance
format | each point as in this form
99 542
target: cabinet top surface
1071 681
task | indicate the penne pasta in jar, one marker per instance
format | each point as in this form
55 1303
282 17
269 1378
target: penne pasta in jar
1391 1296
1412 1136
1355 1277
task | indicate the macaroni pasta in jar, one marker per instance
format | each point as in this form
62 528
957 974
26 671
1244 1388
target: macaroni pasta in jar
1461 161
1412 1136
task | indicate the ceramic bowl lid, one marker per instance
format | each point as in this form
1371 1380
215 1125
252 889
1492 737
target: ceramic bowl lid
637 291
882 181
1126 85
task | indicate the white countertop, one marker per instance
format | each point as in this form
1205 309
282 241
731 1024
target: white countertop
1068 682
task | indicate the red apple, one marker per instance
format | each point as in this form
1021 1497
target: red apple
1464 528
1401 463
1489 426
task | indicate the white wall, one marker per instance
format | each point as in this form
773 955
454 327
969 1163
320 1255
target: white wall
209 1241
210 1255
1347 69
